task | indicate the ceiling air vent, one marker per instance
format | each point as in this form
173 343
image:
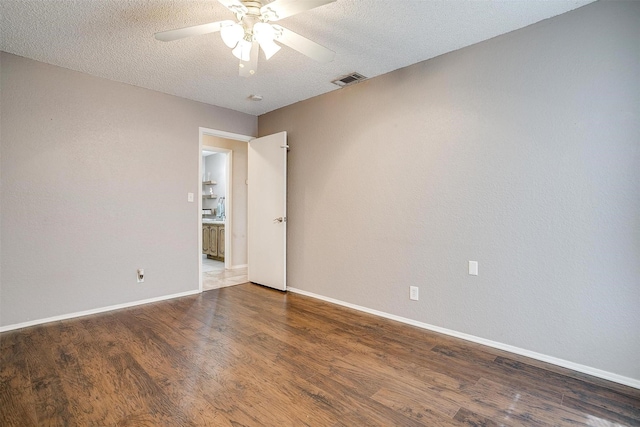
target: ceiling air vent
349 79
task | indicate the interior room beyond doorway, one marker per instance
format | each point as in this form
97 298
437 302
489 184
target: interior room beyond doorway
223 179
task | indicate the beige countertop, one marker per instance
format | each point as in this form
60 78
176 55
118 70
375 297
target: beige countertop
212 221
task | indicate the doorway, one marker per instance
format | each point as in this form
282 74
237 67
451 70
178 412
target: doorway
226 231
215 187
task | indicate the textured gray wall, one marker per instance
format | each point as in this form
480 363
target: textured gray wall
95 176
522 152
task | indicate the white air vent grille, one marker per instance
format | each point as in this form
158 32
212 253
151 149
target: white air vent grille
349 79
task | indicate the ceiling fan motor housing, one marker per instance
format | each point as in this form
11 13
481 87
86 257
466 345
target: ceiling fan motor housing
253 8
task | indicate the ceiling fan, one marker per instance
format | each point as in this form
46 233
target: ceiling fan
253 31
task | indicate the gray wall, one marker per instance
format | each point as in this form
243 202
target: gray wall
522 152
95 176
238 193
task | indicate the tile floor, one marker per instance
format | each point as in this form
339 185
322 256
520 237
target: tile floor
214 276
211 264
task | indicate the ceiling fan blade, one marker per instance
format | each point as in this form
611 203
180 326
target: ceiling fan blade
167 36
305 46
280 9
249 68
234 6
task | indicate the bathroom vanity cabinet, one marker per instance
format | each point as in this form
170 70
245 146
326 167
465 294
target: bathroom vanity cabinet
213 240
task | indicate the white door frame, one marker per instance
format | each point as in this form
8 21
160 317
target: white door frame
229 196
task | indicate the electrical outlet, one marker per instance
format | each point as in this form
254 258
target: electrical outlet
413 293
140 275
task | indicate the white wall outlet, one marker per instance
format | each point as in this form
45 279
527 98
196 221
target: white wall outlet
413 293
140 275
473 268
190 197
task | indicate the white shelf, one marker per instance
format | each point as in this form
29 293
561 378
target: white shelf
209 183
209 196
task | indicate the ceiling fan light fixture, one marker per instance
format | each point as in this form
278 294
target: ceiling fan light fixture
242 51
263 32
232 34
253 31
269 48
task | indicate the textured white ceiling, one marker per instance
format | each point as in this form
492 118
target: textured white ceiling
114 39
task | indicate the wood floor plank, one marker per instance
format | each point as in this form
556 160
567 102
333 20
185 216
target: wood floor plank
469 418
367 380
17 411
348 403
96 348
583 378
425 407
504 403
626 403
15 383
365 370
53 408
162 356
368 343
540 386
252 356
599 414
417 364
130 388
311 363
250 367
464 351
298 361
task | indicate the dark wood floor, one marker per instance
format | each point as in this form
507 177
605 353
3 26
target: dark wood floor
250 356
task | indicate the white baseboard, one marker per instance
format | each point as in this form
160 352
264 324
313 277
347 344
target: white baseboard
235 267
94 311
631 382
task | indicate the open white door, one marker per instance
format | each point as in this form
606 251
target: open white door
267 211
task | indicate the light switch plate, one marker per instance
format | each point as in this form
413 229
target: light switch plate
473 268
189 197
